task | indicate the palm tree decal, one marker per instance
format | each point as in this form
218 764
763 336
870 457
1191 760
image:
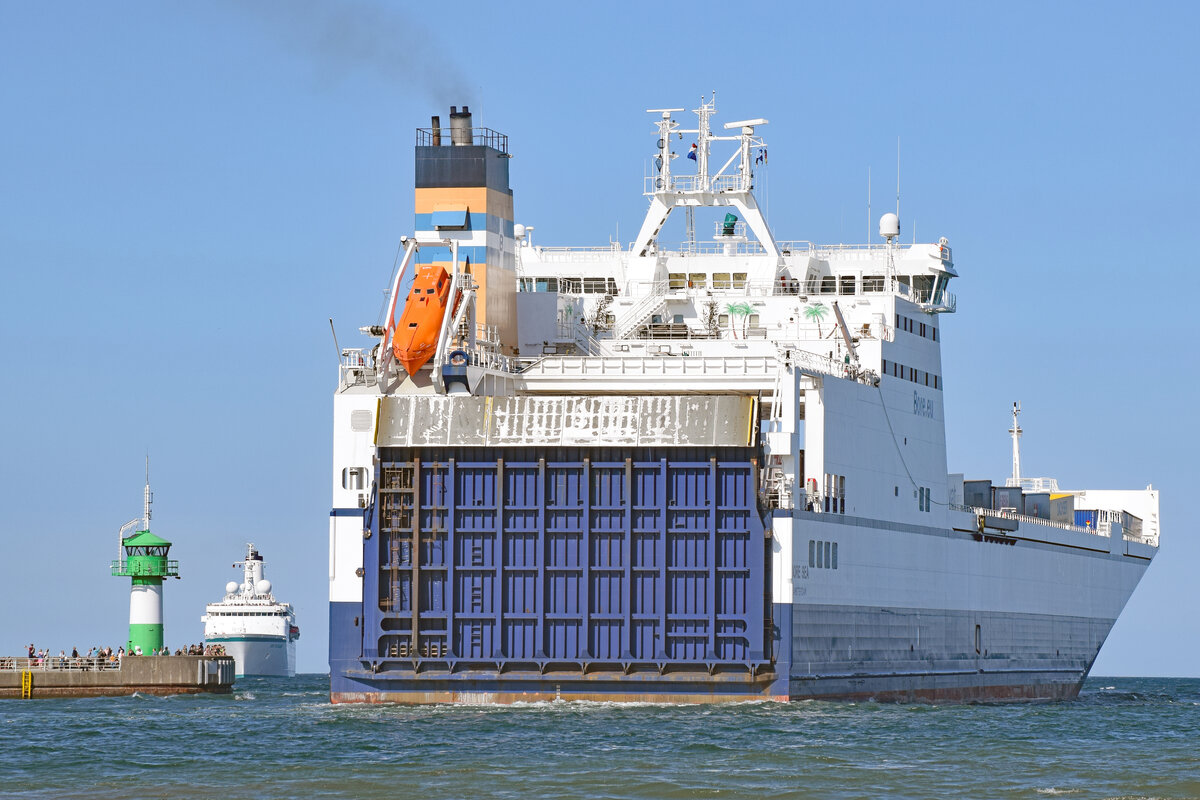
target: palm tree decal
815 312
743 310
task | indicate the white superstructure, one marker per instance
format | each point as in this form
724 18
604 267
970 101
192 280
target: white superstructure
258 631
886 575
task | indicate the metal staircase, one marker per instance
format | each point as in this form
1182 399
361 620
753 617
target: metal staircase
639 312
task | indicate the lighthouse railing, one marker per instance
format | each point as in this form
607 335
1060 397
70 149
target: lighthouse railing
137 568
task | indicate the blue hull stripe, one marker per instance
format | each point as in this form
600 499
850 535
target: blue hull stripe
347 512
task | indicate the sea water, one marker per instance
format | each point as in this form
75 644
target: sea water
281 738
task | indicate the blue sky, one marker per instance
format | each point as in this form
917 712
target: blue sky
189 191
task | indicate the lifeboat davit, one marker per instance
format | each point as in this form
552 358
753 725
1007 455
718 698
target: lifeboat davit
416 335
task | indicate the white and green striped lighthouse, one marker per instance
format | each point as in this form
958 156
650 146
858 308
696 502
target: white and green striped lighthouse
144 559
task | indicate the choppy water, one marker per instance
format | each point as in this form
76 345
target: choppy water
276 738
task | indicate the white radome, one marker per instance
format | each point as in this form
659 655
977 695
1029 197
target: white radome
889 226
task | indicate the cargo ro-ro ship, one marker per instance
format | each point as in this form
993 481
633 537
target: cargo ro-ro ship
687 472
251 625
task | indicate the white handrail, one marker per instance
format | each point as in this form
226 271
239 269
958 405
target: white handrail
447 320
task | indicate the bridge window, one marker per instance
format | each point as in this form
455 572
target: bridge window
939 288
923 288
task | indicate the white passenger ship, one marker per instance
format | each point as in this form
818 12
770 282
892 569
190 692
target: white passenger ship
706 471
258 631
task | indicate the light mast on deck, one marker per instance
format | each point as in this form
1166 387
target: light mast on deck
1015 430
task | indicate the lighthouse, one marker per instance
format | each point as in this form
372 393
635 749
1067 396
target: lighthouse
143 557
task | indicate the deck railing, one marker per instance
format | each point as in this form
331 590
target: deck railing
1103 530
60 663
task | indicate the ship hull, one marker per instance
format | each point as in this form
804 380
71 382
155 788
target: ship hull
995 620
260 656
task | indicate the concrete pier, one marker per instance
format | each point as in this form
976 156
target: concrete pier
84 677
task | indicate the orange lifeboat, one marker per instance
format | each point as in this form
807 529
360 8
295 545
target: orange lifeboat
415 337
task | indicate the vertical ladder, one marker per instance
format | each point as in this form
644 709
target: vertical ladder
397 499
26 684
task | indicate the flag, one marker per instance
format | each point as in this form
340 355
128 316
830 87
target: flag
692 152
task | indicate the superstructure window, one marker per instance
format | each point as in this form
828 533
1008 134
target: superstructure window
721 280
599 286
911 374
697 280
828 284
354 478
923 329
835 494
822 555
846 284
676 280
872 283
